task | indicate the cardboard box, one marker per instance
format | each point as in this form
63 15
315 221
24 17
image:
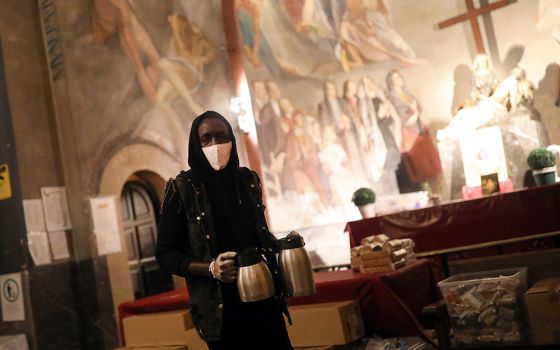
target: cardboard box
172 347
376 262
325 324
543 307
194 342
162 328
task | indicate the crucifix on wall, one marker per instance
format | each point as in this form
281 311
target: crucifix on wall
471 15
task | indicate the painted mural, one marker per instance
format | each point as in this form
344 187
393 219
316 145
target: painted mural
378 93
325 125
345 93
139 72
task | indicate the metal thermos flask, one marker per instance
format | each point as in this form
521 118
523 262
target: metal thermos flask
254 279
295 267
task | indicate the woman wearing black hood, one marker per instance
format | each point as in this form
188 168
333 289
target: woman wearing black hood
209 213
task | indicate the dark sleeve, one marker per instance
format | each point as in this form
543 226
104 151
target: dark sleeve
172 233
259 187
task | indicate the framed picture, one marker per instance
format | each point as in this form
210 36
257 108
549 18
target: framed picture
490 183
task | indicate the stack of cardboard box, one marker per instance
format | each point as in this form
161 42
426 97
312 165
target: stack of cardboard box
322 326
380 254
543 308
172 330
318 326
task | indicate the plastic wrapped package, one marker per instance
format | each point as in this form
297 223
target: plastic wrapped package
486 307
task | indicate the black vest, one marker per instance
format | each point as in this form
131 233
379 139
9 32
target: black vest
205 293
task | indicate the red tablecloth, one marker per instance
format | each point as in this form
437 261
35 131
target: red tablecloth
390 303
496 217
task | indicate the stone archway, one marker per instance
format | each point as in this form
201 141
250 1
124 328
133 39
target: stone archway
152 165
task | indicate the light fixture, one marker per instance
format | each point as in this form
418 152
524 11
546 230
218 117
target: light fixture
241 109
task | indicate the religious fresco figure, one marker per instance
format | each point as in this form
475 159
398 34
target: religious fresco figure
269 132
293 176
259 98
333 111
420 160
386 136
375 153
366 36
190 43
163 77
335 163
317 19
189 52
248 12
269 38
308 142
287 122
350 98
109 17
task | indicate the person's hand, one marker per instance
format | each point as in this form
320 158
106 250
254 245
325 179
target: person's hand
224 268
295 234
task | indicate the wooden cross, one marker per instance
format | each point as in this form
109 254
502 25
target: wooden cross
472 16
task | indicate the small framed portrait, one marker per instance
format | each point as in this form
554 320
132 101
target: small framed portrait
490 183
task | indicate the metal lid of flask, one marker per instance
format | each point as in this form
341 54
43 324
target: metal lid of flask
248 257
290 242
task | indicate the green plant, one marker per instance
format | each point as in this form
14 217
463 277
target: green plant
540 158
363 196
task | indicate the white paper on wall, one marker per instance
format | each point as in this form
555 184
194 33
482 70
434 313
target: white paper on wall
55 206
105 225
59 245
38 245
33 212
11 296
14 341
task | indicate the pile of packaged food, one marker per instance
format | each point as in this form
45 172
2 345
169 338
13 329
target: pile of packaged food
486 307
378 253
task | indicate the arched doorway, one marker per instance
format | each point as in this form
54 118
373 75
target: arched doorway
139 218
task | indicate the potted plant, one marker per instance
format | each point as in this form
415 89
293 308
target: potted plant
364 198
543 164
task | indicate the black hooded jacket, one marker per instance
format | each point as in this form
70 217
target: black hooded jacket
206 212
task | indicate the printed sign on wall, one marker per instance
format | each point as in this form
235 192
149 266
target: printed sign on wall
11 295
5 187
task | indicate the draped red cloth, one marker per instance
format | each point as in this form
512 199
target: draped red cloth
422 160
455 224
390 303
492 218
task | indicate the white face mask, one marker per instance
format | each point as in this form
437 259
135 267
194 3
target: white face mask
218 155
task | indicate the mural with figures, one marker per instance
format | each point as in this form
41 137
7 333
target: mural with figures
325 125
345 93
139 72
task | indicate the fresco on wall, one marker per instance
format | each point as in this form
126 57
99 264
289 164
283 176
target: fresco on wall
325 126
139 72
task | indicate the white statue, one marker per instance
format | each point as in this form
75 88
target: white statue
490 101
